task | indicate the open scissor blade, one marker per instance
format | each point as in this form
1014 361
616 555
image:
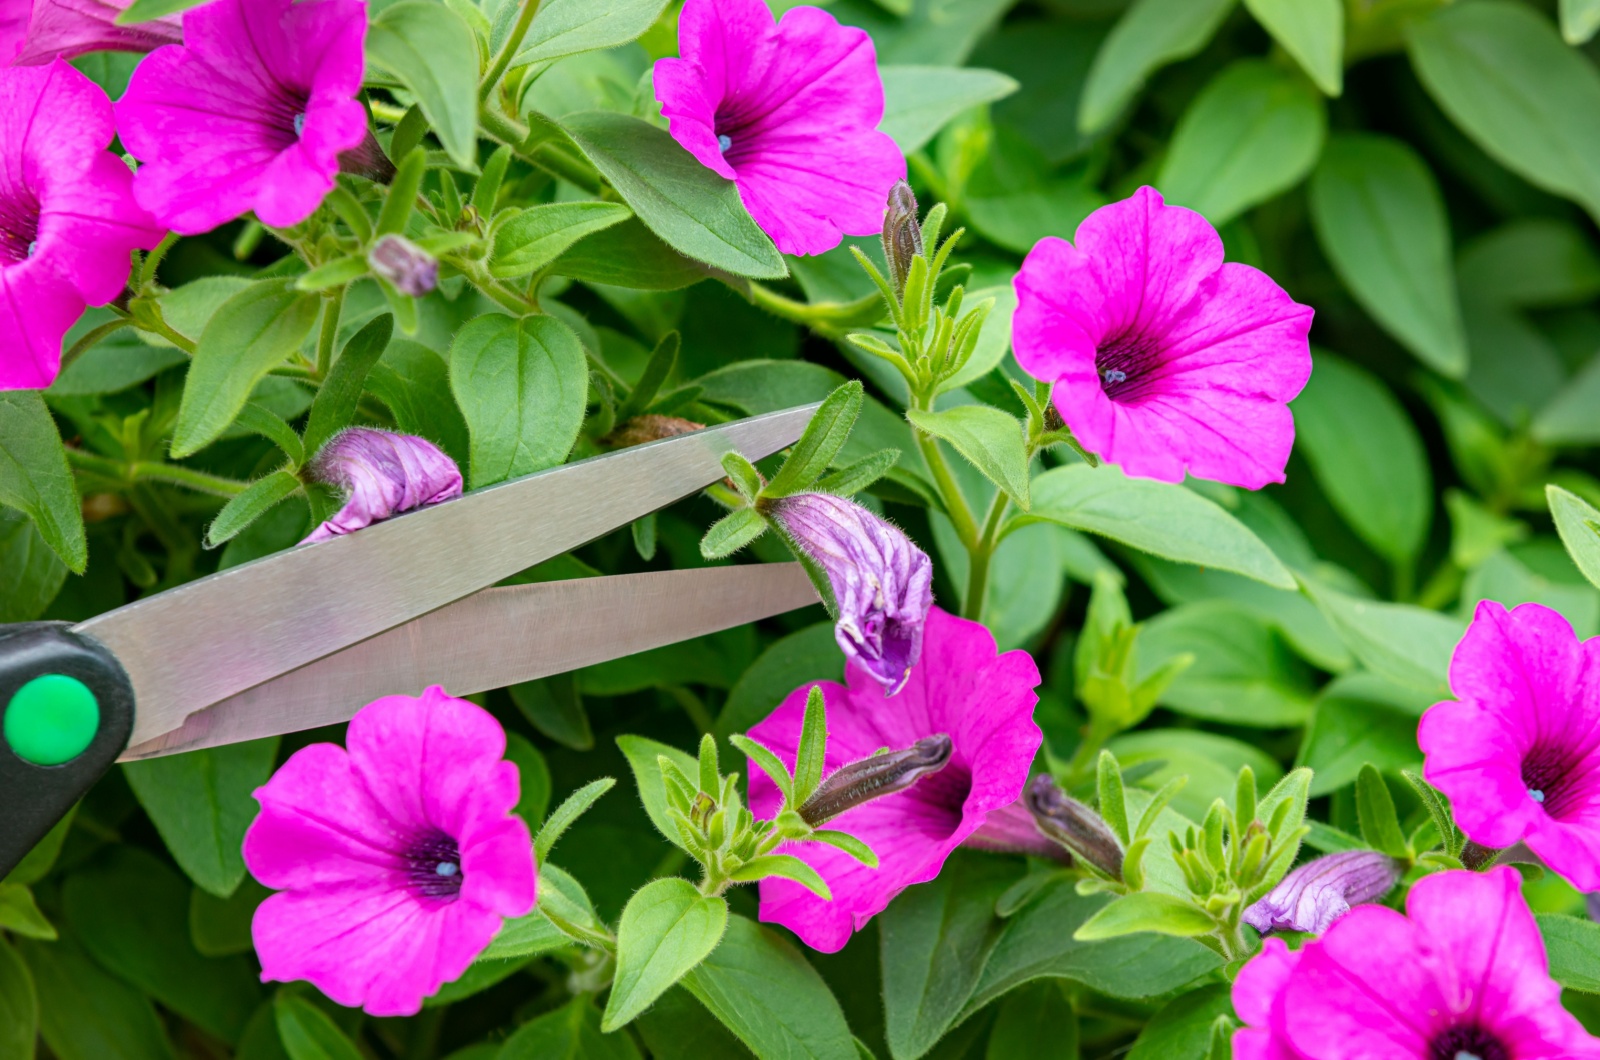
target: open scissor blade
497 637
190 647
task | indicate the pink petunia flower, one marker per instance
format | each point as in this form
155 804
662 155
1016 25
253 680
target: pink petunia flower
788 112
251 112
1462 976
395 861
381 474
68 220
1165 359
33 32
983 702
1518 753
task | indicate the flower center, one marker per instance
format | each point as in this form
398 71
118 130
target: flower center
19 228
724 141
433 867
1470 1042
1549 772
300 124
1129 366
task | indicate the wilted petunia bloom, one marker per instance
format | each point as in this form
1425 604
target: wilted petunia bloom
882 583
33 32
789 112
1011 830
382 474
1462 976
251 112
963 689
68 220
410 269
1322 890
1165 359
1518 753
397 860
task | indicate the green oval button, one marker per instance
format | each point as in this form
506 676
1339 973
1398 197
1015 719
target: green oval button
51 720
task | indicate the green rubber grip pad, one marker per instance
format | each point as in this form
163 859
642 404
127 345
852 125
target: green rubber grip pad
51 720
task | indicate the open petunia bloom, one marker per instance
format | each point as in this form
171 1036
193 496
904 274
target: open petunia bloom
1518 753
68 220
1322 890
1462 976
33 32
382 474
251 112
1166 360
961 689
788 112
397 860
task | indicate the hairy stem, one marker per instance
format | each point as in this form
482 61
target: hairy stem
332 305
979 558
509 50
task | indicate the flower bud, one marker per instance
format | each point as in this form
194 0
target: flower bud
1319 892
382 474
648 428
1074 825
871 778
902 234
408 268
366 159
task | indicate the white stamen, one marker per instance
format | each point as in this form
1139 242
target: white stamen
446 868
724 143
1536 795
1114 375
299 124
1462 1054
33 248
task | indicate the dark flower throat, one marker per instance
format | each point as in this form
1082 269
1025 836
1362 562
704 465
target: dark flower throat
433 867
1469 1042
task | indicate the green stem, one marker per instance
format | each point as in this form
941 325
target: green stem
978 560
332 305
199 481
92 339
160 327
944 481
550 157
828 319
509 50
152 260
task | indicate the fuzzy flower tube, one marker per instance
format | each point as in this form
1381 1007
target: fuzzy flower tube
788 112
1322 890
1165 359
1462 976
33 32
68 219
396 860
962 689
381 474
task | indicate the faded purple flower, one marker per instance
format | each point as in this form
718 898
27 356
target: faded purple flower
406 266
1075 826
251 112
902 234
382 474
875 776
33 32
1321 891
882 583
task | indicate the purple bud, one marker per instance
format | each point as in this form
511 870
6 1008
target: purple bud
69 28
1011 830
382 474
882 583
872 778
1319 892
902 234
1074 825
409 268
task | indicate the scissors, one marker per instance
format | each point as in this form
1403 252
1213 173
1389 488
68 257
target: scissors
308 636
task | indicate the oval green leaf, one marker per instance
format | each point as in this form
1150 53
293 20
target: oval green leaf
435 55
1152 34
540 234
1153 911
1310 30
35 478
667 928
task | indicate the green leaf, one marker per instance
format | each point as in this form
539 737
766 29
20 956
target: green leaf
1349 730
857 476
38 862
220 927
200 803
763 991
401 199
1152 34
571 808
1163 914
250 334
249 506
641 754
1162 518
918 101
744 476
629 255
786 866
150 10
994 338
20 914
812 654
335 404
414 382
1495 68
1253 132
731 533
809 760
535 237
1182 1029
533 773
435 55
571 1032
1573 946
522 386
1578 523
825 434
533 934
678 1027
308 1033
35 478
667 928
554 706
1380 218
991 441
1409 645
1243 673
478 977
1036 1020
19 1007
566 27
1579 20
30 573
1367 456
86 1013
693 209
1380 825
1310 30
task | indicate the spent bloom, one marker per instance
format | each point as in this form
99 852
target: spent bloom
68 220
1321 891
406 266
1011 830
397 860
33 32
882 584
1073 826
962 691
788 112
1518 752
1165 359
1462 976
382 474
251 112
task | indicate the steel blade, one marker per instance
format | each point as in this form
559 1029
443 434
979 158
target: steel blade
497 637
200 643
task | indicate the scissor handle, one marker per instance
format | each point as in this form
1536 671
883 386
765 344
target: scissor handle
66 712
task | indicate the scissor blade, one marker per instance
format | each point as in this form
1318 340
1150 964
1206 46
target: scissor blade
497 637
200 643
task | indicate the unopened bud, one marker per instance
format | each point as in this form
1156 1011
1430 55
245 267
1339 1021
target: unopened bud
1074 825
648 428
902 234
1319 892
408 268
872 778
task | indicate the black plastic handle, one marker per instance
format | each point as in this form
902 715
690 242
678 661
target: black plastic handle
66 712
